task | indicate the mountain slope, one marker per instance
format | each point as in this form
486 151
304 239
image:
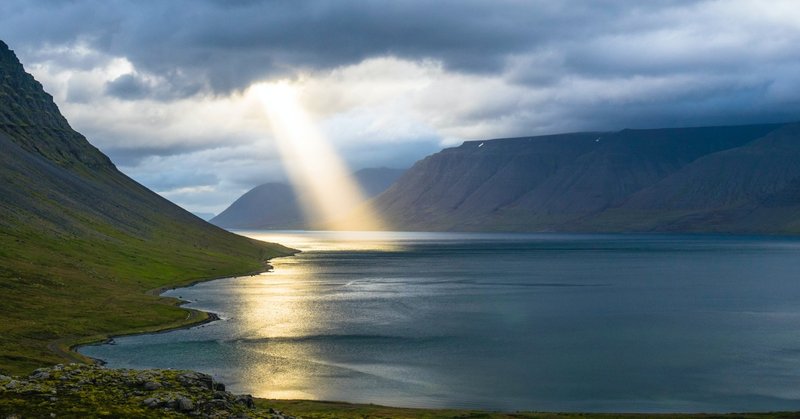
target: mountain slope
268 206
276 206
80 242
474 179
750 189
729 178
631 180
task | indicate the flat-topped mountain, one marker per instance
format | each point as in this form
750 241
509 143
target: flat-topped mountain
80 242
275 205
708 179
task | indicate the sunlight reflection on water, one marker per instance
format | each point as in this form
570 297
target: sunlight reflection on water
276 310
542 322
379 241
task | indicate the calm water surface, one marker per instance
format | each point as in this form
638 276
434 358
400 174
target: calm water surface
512 322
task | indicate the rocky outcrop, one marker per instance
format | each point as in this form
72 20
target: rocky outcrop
90 390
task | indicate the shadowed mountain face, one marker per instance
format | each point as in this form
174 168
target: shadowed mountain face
53 180
276 206
268 206
75 232
721 179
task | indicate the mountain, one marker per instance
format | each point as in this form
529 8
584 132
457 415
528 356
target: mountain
709 179
268 206
204 215
375 180
81 243
275 205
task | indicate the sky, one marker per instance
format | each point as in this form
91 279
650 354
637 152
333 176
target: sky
165 87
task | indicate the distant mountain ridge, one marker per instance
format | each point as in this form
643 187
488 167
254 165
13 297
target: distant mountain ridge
268 206
743 179
276 206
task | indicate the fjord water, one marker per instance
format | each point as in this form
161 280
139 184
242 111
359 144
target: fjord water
513 322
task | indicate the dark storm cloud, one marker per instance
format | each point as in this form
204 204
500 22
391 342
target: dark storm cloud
128 86
226 45
133 87
230 44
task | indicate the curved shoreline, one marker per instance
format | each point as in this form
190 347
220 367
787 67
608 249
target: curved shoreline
68 347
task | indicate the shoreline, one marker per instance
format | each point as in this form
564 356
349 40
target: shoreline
68 347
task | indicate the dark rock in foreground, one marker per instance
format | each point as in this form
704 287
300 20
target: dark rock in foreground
90 390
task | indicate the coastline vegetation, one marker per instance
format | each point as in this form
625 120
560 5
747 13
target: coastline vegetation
61 293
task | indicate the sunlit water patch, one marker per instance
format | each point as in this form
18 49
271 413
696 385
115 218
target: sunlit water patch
541 322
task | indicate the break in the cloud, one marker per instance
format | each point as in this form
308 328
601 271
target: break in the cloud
162 87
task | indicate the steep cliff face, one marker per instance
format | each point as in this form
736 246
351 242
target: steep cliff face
32 120
685 179
75 232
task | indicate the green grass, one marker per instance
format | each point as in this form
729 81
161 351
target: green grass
329 410
59 291
76 264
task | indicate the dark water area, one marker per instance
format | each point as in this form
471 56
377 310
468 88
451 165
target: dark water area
634 323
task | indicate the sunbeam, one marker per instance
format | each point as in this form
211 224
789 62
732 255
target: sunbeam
324 185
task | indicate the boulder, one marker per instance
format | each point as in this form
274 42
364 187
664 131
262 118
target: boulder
184 404
152 385
246 400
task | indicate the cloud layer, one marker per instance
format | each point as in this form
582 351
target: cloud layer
162 87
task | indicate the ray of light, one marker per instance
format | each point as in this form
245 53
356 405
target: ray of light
329 194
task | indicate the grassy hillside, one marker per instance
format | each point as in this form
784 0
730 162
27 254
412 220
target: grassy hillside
81 243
